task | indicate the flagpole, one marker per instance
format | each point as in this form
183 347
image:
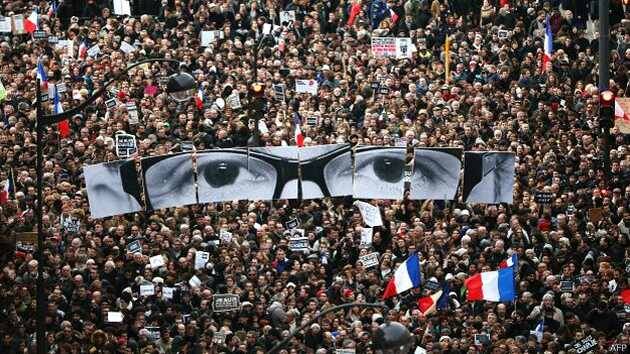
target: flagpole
41 306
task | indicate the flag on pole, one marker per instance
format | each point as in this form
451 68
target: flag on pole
428 304
30 23
548 47
447 59
495 286
199 99
407 276
64 125
443 302
41 75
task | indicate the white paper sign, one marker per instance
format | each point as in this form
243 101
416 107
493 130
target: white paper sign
122 7
167 293
403 48
5 25
366 236
209 37
194 281
266 28
94 51
287 16
390 47
156 261
370 213
201 258
127 48
306 86
225 236
234 100
369 260
147 290
114 316
125 145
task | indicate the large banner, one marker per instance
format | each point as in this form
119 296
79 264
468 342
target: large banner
326 171
379 172
435 173
275 172
168 181
113 188
488 177
289 172
223 175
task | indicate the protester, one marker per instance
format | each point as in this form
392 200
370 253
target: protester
573 253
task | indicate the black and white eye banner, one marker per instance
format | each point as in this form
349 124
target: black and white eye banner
113 188
435 173
379 172
488 177
326 171
168 181
223 175
288 172
274 173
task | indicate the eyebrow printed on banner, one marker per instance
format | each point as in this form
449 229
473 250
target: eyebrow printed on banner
113 188
488 177
223 175
436 173
326 171
168 181
379 172
274 172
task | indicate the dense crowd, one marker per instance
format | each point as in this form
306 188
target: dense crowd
497 98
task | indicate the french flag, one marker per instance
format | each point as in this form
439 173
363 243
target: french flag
299 137
52 9
41 75
548 47
539 330
199 99
354 12
406 277
510 262
8 189
497 286
83 49
30 23
64 126
428 304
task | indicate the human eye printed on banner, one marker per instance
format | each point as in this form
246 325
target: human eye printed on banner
113 188
274 172
379 172
436 173
326 171
488 177
168 181
224 175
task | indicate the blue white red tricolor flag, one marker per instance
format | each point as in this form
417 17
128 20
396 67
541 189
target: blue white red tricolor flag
495 286
510 262
406 277
64 125
548 47
41 75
